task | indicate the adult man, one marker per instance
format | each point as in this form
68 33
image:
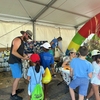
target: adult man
16 54
54 44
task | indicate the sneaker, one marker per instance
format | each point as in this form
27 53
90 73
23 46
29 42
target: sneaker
15 97
19 91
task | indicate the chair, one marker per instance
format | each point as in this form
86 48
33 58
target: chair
58 66
66 76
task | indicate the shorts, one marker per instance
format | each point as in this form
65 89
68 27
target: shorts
16 70
82 83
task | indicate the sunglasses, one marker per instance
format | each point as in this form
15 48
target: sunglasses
29 37
72 53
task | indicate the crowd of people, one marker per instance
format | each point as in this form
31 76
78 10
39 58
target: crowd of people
82 72
39 62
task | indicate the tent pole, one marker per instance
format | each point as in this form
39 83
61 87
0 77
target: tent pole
34 38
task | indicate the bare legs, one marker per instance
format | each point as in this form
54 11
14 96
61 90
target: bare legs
96 91
15 85
90 93
81 97
72 93
45 91
29 97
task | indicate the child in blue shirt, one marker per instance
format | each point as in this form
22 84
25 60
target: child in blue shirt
47 60
37 69
81 71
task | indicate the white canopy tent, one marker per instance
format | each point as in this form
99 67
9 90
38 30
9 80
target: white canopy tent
60 12
46 18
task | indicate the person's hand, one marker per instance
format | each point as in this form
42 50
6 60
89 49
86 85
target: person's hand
26 58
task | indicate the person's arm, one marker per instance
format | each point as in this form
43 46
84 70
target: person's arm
52 65
29 74
51 43
52 69
16 43
43 71
90 75
59 49
28 78
90 70
71 72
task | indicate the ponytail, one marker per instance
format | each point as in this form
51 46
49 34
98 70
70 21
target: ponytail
37 67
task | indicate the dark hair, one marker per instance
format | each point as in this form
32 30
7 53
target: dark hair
94 58
37 67
97 57
46 50
59 38
83 50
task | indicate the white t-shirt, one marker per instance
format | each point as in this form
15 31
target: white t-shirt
96 71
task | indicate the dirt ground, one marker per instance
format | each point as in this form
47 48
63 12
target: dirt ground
55 91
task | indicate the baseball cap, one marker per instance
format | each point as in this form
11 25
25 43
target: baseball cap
72 50
95 52
46 45
34 58
29 34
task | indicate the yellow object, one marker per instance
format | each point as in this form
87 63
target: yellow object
72 44
47 78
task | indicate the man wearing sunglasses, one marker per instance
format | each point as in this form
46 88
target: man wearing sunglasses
15 61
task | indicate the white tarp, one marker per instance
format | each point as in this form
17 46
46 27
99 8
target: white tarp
9 30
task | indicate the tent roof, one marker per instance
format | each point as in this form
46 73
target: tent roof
59 12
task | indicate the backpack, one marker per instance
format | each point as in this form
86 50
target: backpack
37 93
47 78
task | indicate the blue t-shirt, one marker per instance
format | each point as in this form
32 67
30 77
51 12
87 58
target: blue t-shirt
55 43
46 59
81 68
32 82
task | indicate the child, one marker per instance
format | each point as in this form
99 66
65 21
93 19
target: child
95 80
81 70
47 60
37 69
